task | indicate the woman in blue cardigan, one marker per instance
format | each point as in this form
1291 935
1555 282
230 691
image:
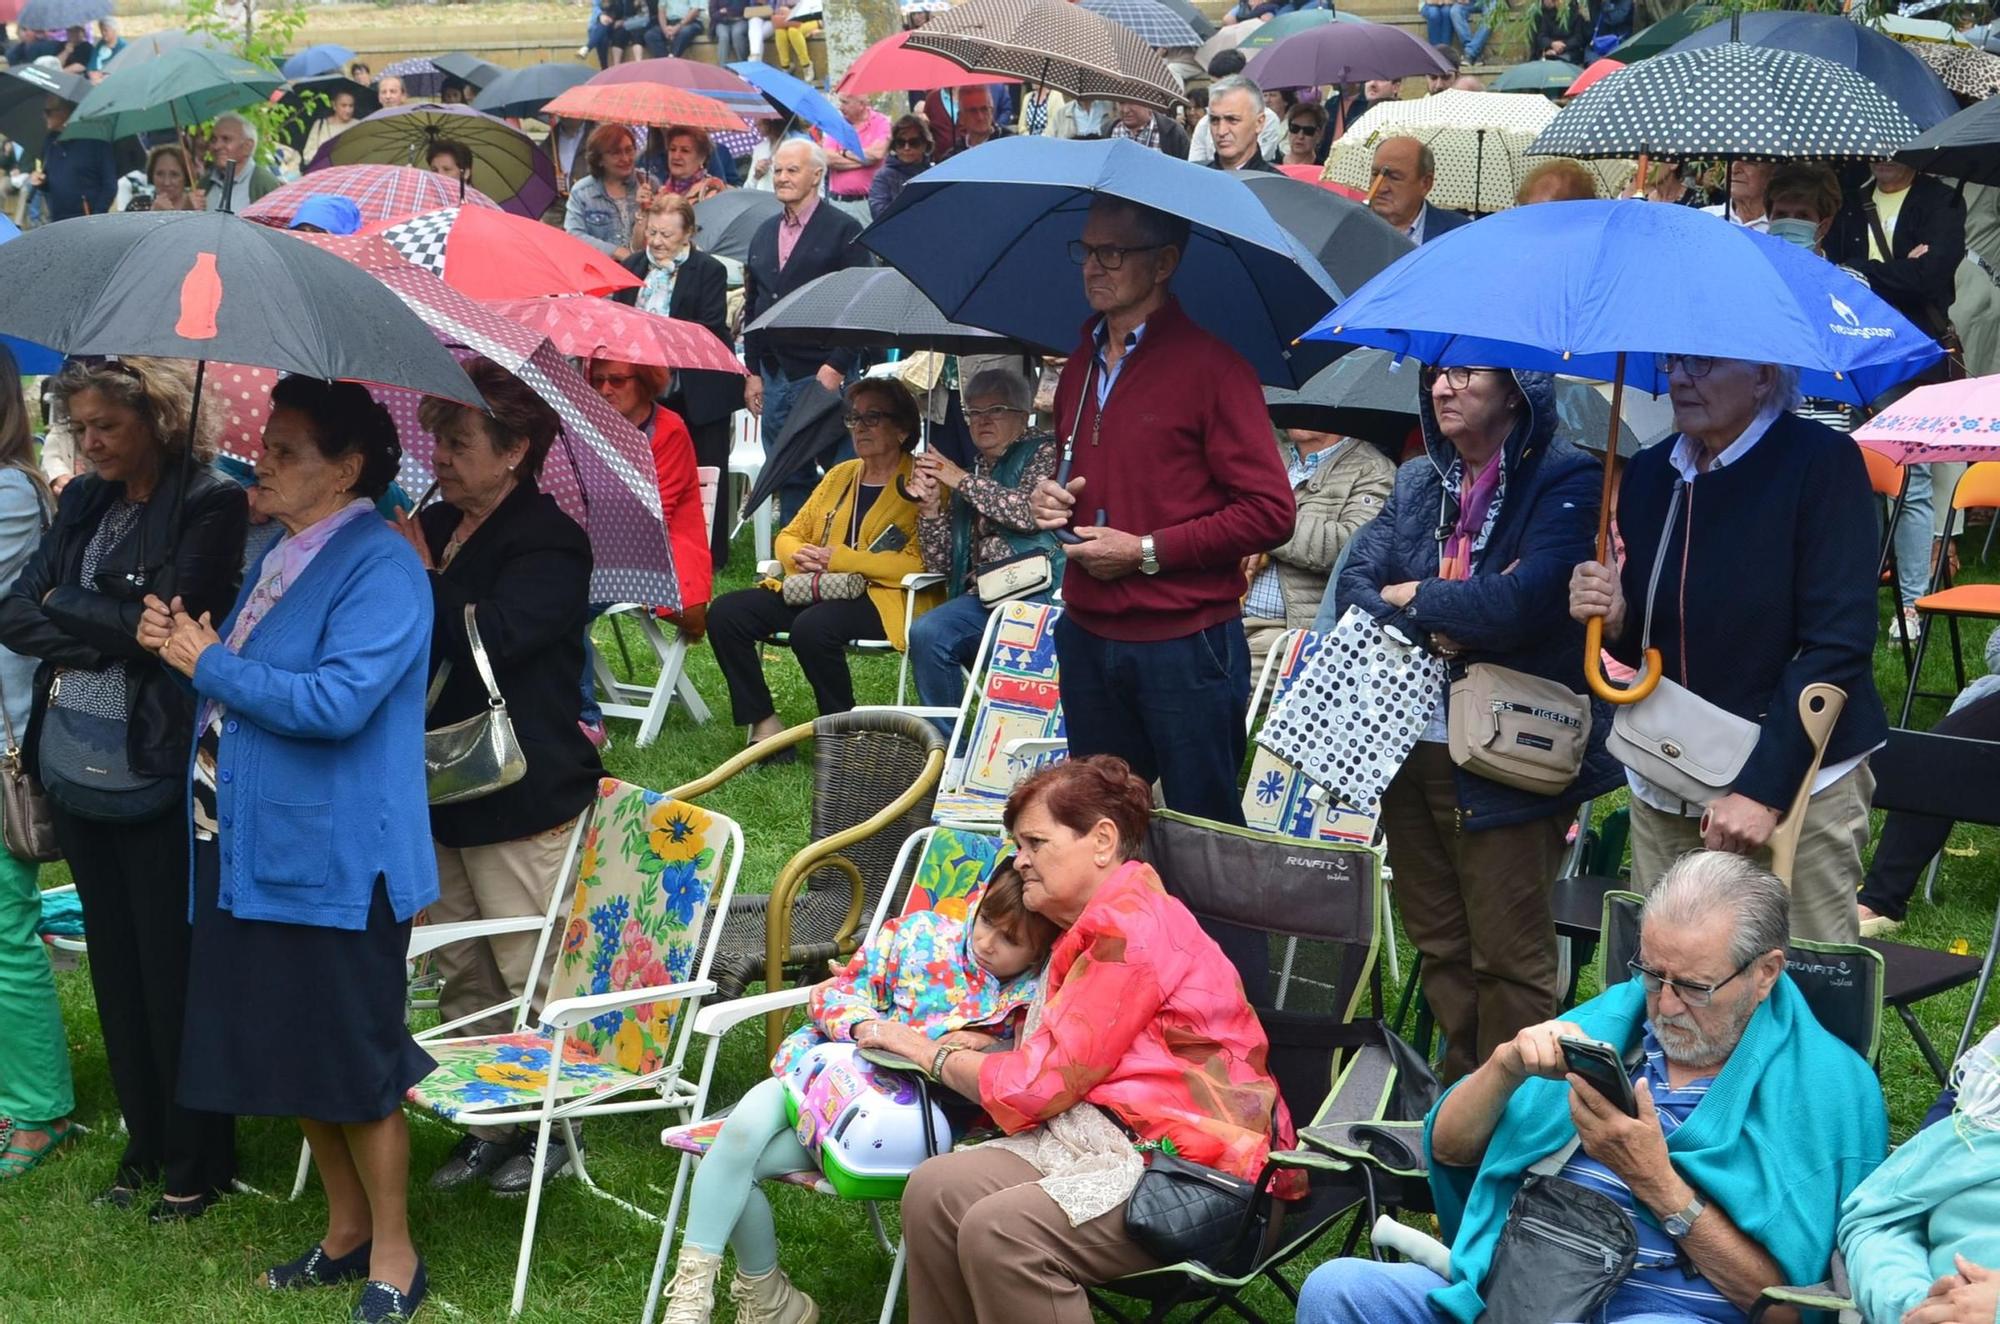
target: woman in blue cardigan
311 831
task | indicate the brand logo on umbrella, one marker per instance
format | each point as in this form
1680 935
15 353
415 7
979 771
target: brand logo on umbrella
1852 322
201 298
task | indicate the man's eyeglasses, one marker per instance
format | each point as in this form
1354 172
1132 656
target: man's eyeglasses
1109 256
1693 994
991 411
1457 377
866 418
1695 366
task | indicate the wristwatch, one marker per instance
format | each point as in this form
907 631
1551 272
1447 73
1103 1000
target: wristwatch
1681 1222
1149 564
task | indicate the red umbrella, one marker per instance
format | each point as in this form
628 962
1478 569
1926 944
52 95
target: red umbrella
382 192
890 66
643 103
497 255
1313 174
587 328
709 80
1597 73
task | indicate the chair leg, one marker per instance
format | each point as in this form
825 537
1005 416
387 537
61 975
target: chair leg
624 652
1957 654
1924 1045
1986 548
526 1256
895 1288
666 1239
1979 993
1389 948
690 696
1930 880
1916 671
305 1168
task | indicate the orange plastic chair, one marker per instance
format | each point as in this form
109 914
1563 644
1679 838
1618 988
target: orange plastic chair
1888 480
1978 489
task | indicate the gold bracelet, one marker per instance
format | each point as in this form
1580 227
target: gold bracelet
938 1059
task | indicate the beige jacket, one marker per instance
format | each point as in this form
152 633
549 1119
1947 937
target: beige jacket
1344 493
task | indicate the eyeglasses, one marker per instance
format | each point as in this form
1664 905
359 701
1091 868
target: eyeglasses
867 418
1457 377
604 379
909 142
1109 256
1693 994
991 411
1695 366
1303 128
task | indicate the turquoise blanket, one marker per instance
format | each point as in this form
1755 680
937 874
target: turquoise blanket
62 915
1793 1122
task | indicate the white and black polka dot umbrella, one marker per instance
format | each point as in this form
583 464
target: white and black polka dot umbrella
1731 101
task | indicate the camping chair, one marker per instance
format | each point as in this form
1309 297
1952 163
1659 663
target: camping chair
874 775
1978 489
1890 482
647 702
1317 901
945 868
911 586
653 877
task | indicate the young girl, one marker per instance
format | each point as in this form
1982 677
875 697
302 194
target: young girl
944 976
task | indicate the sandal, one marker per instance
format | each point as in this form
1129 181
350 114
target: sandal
17 1159
316 1268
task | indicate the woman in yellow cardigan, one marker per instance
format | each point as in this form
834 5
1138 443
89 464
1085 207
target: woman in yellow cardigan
855 522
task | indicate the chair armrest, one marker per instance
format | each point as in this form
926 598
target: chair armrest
920 581
1032 748
566 1012
719 1018
1812 1296
430 937
769 569
914 710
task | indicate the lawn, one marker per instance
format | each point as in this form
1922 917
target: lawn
62 1259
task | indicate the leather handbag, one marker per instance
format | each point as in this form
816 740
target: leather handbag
1520 730
479 755
1020 576
1183 1211
822 586
86 767
1673 737
26 827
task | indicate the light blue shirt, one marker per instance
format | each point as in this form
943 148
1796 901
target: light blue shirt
1107 373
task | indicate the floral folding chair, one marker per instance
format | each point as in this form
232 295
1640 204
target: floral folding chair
632 958
946 867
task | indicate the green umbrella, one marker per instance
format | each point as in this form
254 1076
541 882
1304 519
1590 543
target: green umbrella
1283 26
1655 40
1549 77
188 84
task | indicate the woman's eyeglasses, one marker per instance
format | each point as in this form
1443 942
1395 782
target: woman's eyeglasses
1457 377
1695 366
991 411
866 418
908 142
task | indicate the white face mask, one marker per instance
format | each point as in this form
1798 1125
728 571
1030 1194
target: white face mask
1977 1080
1803 233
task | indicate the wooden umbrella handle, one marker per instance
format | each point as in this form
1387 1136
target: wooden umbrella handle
1820 705
1650 669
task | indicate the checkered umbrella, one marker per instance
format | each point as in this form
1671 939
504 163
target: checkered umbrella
1966 70
488 254
507 166
643 103
1053 42
1157 26
382 192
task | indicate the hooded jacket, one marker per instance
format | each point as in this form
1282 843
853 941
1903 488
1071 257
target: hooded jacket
1514 610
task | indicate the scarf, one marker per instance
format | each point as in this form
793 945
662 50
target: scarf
1478 508
658 290
673 185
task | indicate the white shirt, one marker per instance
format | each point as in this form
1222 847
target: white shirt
1762 225
239 192
1270 139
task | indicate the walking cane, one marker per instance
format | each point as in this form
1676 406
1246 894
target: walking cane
1820 705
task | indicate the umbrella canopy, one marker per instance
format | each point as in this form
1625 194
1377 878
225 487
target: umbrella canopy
1966 146
870 308
1480 140
467 68
1969 72
30 359
891 66
1883 61
1013 208
643 103
1951 422
1598 71
206 285
490 254
421 78
151 46
48 15
587 328
187 85
23 90
1226 38
708 80
1734 101
812 428
1350 241
1661 36
1204 27
1157 26
725 223
1051 42
519 93
325 58
1735 294
1551 78
506 164
803 101
1274 30
381 192
1342 53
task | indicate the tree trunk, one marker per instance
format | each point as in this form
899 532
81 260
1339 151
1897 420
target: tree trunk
852 26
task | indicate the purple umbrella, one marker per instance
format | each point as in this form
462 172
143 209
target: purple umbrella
420 77
1343 53
506 165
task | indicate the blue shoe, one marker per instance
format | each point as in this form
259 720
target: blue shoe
316 1268
380 1302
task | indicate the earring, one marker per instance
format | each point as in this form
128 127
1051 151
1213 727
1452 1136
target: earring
1102 861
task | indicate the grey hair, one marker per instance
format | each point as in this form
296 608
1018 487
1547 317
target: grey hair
1703 881
1236 83
1009 387
813 149
1785 391
249 129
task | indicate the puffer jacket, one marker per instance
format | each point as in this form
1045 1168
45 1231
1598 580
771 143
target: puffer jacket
1344 493
1514 610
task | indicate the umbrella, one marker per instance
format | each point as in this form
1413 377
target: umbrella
1661 36
587 328
186 85
1551 78
467 68
30 359
325 58
1966 146
1731 101
803 101
643 103
1226 38
1055 43
490 254
1598 71
813 427
708 80
1274 30
1204 27
726 222
1973 74
421 78
870 308
519 93
382 192
891 66
140 50
1894 70
1012 209
507 165
1950 422
23 90
52 15
1480 141
1157 26
1342 53
1350 241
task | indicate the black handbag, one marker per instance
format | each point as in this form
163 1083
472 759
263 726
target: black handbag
1563 1250
86 768
1184 1211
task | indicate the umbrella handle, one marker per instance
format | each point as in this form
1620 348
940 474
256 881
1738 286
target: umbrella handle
1649 675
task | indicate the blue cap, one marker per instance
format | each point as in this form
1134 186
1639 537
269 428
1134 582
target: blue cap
335 215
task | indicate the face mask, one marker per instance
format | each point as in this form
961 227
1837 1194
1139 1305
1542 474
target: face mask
1803 233
1977 1080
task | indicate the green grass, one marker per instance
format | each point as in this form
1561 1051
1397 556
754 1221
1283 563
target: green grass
61 1259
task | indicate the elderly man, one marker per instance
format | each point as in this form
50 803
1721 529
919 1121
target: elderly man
971 521
969 121
1749 183
234 143
1235 111
853 175
1776 591
1339 484
1754 1124
1150 128
389 91
802 243
1402 175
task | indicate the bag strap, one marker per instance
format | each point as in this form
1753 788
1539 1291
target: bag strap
1660 559
13 749
1875 226
479 659
1553 1163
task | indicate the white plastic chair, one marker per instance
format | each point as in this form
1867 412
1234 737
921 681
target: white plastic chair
911 586
746 457
647 702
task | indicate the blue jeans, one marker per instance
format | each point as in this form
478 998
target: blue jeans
732 39
1437 23
1355 1291
1461 21
1913 536
942 643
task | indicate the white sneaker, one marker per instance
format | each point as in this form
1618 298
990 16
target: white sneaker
691 1294
770 1299
1908 625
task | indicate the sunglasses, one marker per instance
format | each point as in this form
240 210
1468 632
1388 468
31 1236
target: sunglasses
909 142
1302 128
604 379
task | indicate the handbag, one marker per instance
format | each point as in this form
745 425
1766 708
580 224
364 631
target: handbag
1673 737
1020 576
1520 730
1183 1211
86 767
803 590
1563 1250
479 755
26 827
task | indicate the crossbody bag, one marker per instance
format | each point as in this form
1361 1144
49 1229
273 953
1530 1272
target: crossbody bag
481 754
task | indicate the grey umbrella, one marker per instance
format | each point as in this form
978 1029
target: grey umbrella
518 93
870 308
151 46
725 222
22 93
48 15
468 69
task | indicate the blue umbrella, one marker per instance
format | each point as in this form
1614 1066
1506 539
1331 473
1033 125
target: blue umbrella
30 359
986 234
313 61
1883 61
801 100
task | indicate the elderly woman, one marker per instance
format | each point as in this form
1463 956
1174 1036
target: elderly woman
688 152
309 822
972 521
1131 1036
172 178
1305 125
1761 526
910 150
495 542
1471 557
855 522
110 741
634 389
1338 484
604 206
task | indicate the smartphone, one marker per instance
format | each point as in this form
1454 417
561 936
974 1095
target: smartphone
1599 1064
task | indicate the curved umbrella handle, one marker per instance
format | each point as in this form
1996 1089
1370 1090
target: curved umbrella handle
1651 669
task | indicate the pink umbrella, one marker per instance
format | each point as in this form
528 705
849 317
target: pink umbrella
888 66
1948 422
587 328
382 192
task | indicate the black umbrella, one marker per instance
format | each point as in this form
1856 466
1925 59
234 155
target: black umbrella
812 428
1966 146
22 93
725 222
518 93
468 68
1347 237
870 308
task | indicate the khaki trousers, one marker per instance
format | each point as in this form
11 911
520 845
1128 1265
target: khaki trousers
1826 873
1476 904
988 1246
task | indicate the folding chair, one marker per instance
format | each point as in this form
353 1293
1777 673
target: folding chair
646 702
1978 489
1890 482
945 868
911 586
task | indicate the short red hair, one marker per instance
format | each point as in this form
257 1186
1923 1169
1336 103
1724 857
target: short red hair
1079 793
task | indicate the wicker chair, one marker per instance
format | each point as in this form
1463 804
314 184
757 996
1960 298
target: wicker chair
875 775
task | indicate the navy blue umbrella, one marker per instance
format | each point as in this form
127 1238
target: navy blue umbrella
325 58
1883 61
801 100
986 234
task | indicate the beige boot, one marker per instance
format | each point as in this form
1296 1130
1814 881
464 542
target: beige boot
770 1299
691 1294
